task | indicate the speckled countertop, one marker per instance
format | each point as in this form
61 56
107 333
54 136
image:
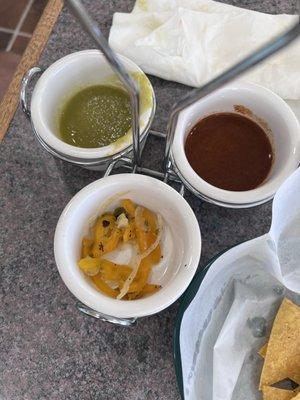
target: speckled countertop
48 350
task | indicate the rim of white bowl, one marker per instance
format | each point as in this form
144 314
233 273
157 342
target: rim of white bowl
80 152
264 192
122 308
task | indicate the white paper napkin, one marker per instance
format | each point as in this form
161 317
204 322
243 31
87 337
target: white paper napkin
192 41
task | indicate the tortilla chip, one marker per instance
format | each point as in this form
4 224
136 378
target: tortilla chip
283 352
272 393
297 397
263 350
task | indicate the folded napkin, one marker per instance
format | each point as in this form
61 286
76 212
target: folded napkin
192 41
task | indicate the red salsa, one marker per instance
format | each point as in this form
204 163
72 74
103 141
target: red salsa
229 151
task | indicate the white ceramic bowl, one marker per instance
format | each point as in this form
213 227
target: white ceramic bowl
264 104
181 244
66 77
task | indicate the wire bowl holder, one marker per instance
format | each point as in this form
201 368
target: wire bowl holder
133 164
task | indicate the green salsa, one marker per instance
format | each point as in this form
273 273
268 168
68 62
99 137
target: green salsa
95 116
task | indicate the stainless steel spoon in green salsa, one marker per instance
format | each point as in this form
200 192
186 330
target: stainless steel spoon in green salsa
96 116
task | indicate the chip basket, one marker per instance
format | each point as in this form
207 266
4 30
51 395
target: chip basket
132 163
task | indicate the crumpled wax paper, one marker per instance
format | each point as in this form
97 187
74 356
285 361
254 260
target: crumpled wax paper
231 316
192 41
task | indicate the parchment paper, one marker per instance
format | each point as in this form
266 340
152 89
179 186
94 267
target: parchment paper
231 316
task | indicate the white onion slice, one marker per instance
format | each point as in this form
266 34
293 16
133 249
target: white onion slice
157 240
139 258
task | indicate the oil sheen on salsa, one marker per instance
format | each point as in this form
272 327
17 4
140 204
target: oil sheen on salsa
229 151
96 116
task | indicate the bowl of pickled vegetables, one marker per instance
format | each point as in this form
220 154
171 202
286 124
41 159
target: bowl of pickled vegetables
127 245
